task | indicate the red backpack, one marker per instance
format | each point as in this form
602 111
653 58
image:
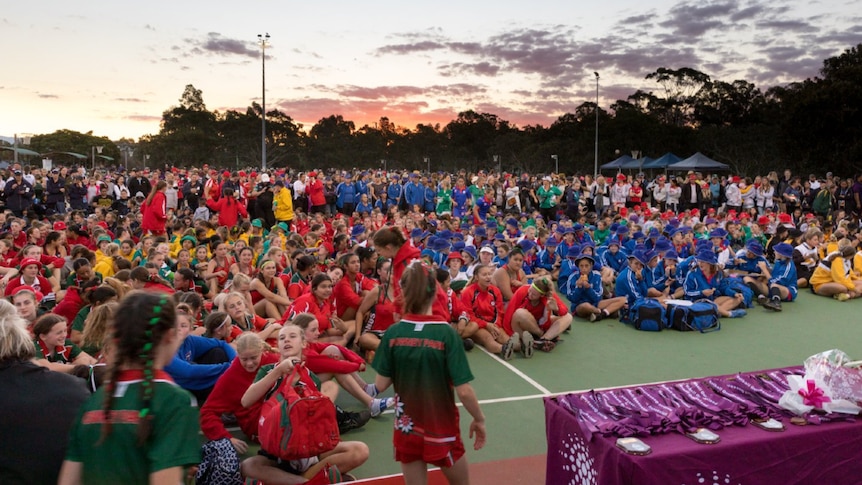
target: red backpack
297 421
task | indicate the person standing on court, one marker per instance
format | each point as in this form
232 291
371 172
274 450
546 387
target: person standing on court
427 427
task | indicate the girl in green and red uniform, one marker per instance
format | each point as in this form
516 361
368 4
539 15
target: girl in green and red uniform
423 357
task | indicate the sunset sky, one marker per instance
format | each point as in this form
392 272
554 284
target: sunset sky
113 67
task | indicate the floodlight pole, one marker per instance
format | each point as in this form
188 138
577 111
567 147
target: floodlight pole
556 164
15 151
596 163
263 40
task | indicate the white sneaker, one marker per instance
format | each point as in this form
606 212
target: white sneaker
527 344
371 390
379 405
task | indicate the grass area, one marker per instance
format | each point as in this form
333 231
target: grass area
608 353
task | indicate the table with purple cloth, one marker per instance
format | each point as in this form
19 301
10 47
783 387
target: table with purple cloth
582 431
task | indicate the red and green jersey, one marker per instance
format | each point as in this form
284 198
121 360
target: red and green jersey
425 359
63 354
173 442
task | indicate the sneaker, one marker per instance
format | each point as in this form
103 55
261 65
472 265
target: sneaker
509 347
737 313
371 390
379 405
593 317
469 344
763 301
545 345
776 304
842 296
527 344
348 421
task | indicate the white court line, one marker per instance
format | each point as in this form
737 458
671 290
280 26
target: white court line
517 372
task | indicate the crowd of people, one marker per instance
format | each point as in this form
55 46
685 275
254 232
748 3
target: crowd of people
162 292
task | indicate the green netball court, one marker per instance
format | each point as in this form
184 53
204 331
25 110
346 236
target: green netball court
607 354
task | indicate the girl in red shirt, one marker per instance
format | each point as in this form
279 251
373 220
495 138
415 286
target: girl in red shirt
218 268
226 396
537 315
267 292
351 288
318 302
377 312
484 303
155 210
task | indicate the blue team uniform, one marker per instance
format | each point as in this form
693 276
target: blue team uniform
459 201
629 286
784 274
591 295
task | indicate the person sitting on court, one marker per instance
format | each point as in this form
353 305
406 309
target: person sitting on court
199 361
833 275
631 283
537 315
705 282
782 279
806 256
585 292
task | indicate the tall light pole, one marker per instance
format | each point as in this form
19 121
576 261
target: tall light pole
263 40
596 172
428 164
556 163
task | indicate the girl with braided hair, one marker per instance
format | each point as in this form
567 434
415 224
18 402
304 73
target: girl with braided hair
140 427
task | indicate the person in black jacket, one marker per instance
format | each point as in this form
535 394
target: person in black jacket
691 191
55 201
78 194
138 183
19 194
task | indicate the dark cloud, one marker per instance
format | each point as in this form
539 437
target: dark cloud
787 25
479 69
422 46
218 44
130 100
382 92
47 96
146 118
747 13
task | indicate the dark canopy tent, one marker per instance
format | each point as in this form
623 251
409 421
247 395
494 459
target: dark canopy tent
662 161
698 161
616 164
638 163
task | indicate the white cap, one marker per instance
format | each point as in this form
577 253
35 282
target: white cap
264 178
486 249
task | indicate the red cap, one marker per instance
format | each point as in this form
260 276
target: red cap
29 288
225 174
810 216
644 205
763 220
59 226
736 179
744 215
242 173
695 212
623 211
692 176
621 176
784 218
253 175
312 174
711 210
455 255
28 261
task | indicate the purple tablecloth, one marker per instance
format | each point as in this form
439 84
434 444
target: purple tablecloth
830 453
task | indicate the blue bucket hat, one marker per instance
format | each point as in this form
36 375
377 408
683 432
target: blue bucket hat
663 245
583 256
622 230
706 257
784 249
526 245
573 251
640 256
578 227
718 232
471 251
754 248
671 254
551 241
440 244
357 230
480 232
418 233
458 246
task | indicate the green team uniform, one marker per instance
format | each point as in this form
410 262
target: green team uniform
266 369
81 318
173 442
63 355
425 359
444 201
547 198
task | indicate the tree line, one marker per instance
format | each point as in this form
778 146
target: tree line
806 126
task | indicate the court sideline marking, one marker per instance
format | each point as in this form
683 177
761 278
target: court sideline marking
517 372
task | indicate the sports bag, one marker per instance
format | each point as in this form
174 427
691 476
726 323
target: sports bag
701 315
647 314
297 421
